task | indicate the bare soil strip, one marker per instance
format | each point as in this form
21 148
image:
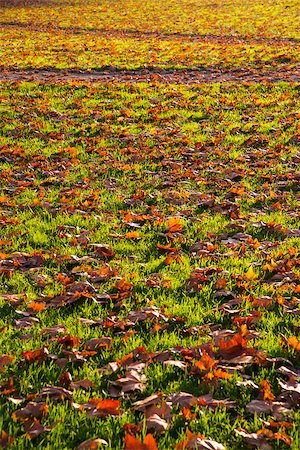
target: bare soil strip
141 35
177 76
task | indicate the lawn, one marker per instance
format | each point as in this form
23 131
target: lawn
150 231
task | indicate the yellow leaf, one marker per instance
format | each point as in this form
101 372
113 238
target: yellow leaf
251 275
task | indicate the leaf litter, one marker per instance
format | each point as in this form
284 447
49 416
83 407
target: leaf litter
163 288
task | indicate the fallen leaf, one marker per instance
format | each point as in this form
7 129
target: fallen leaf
251 274
35 355
34 428
132 235
102 408
156 423
84 384
133 443
31 410
198 442
175 363
266 391
5 440
54 393
57 329
293 342
5 360
91 444
174 225
182 399
142 405
99 343
255 439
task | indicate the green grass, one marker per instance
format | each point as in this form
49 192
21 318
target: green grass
84 165
84 160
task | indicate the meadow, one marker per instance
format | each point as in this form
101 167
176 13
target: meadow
150 232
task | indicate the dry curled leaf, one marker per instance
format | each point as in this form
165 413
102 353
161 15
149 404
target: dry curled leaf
5 360
31 410
92 444
34 428
254 439
198 442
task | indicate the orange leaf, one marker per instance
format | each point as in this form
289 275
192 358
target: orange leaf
132 235
36 306
36 355
283 437
220 284
266 391
293 342
233 347
187 414
150 442
108 404
167 248
172 257
292 251
132 443
174 225
218 373
205 363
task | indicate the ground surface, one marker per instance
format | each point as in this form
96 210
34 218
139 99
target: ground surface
149 213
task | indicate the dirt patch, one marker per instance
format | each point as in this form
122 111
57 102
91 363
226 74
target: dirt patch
177 76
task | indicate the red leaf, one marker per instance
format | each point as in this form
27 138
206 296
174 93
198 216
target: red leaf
99 343
131 428
7 387
172 257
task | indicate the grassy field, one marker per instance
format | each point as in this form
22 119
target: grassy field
134 34
149 243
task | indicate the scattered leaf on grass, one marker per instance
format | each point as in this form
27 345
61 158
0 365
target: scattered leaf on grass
102 408
92 444
133 443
